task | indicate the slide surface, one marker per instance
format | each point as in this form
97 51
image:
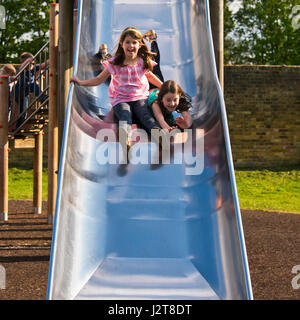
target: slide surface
172 232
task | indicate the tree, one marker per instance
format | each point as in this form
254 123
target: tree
263 33
26 27
228 29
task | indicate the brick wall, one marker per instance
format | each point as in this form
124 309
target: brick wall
263 110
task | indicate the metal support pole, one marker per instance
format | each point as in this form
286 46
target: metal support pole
38 173
52 113
4 148
217 25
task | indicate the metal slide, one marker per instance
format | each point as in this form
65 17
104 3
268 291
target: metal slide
170 233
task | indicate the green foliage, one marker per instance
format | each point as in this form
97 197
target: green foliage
27 24
228 28
263 33
260 32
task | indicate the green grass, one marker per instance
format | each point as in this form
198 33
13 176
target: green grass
265 189
269 189
20 184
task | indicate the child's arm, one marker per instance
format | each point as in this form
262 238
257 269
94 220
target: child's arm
159 116
185 121
152 78
93 81
44 64
27 61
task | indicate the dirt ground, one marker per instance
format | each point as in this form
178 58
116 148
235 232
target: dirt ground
272 243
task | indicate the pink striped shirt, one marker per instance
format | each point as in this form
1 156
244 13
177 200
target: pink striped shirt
128 83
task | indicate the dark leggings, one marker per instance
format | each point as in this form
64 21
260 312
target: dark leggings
125 111
156 69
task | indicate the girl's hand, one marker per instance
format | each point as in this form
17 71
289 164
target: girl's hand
180 121
75 80
92 82
29 60
172 128
184 122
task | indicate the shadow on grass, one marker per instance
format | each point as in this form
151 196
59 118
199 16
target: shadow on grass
295 167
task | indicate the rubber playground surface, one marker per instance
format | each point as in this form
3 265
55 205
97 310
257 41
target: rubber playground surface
272 243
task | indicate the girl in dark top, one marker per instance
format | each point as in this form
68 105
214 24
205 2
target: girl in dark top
169 98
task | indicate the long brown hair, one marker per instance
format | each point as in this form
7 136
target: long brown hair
173 87
143 52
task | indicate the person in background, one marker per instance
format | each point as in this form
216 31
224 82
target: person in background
104 51
97 61
27 83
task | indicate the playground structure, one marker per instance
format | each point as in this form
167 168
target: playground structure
21 127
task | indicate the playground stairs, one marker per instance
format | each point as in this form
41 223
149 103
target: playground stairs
34 118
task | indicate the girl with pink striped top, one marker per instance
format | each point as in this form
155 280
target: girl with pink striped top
130 69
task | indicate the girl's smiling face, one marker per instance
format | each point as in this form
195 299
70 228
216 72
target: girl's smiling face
170 101
131 47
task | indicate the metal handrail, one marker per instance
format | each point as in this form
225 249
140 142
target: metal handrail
42 48
23 87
